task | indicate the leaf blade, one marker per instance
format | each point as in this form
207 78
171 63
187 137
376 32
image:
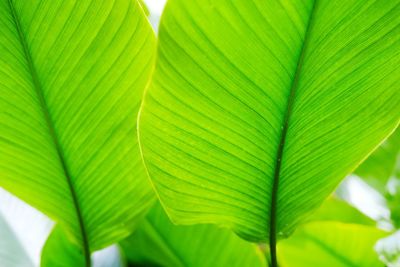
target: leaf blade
73 74
210 123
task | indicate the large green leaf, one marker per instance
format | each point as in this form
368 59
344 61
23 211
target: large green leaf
331 244
157 241
381 164
257 109
72 74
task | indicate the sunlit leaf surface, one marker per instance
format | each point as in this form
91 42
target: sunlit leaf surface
72 74
257 109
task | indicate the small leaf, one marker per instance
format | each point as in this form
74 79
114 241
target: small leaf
331 244
158 242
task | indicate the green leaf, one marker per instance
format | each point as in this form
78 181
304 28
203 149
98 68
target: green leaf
72 74
334 209
257 109
381 164
331 244
157 241
61 252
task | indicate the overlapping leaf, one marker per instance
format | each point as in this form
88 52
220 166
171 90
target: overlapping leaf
158 242
257 109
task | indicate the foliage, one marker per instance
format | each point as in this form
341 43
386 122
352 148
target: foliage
254 113
243 120
158 241
72 77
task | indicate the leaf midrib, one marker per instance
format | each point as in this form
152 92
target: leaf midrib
282 141
42 101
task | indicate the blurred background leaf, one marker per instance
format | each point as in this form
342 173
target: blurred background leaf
332 244
158 241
